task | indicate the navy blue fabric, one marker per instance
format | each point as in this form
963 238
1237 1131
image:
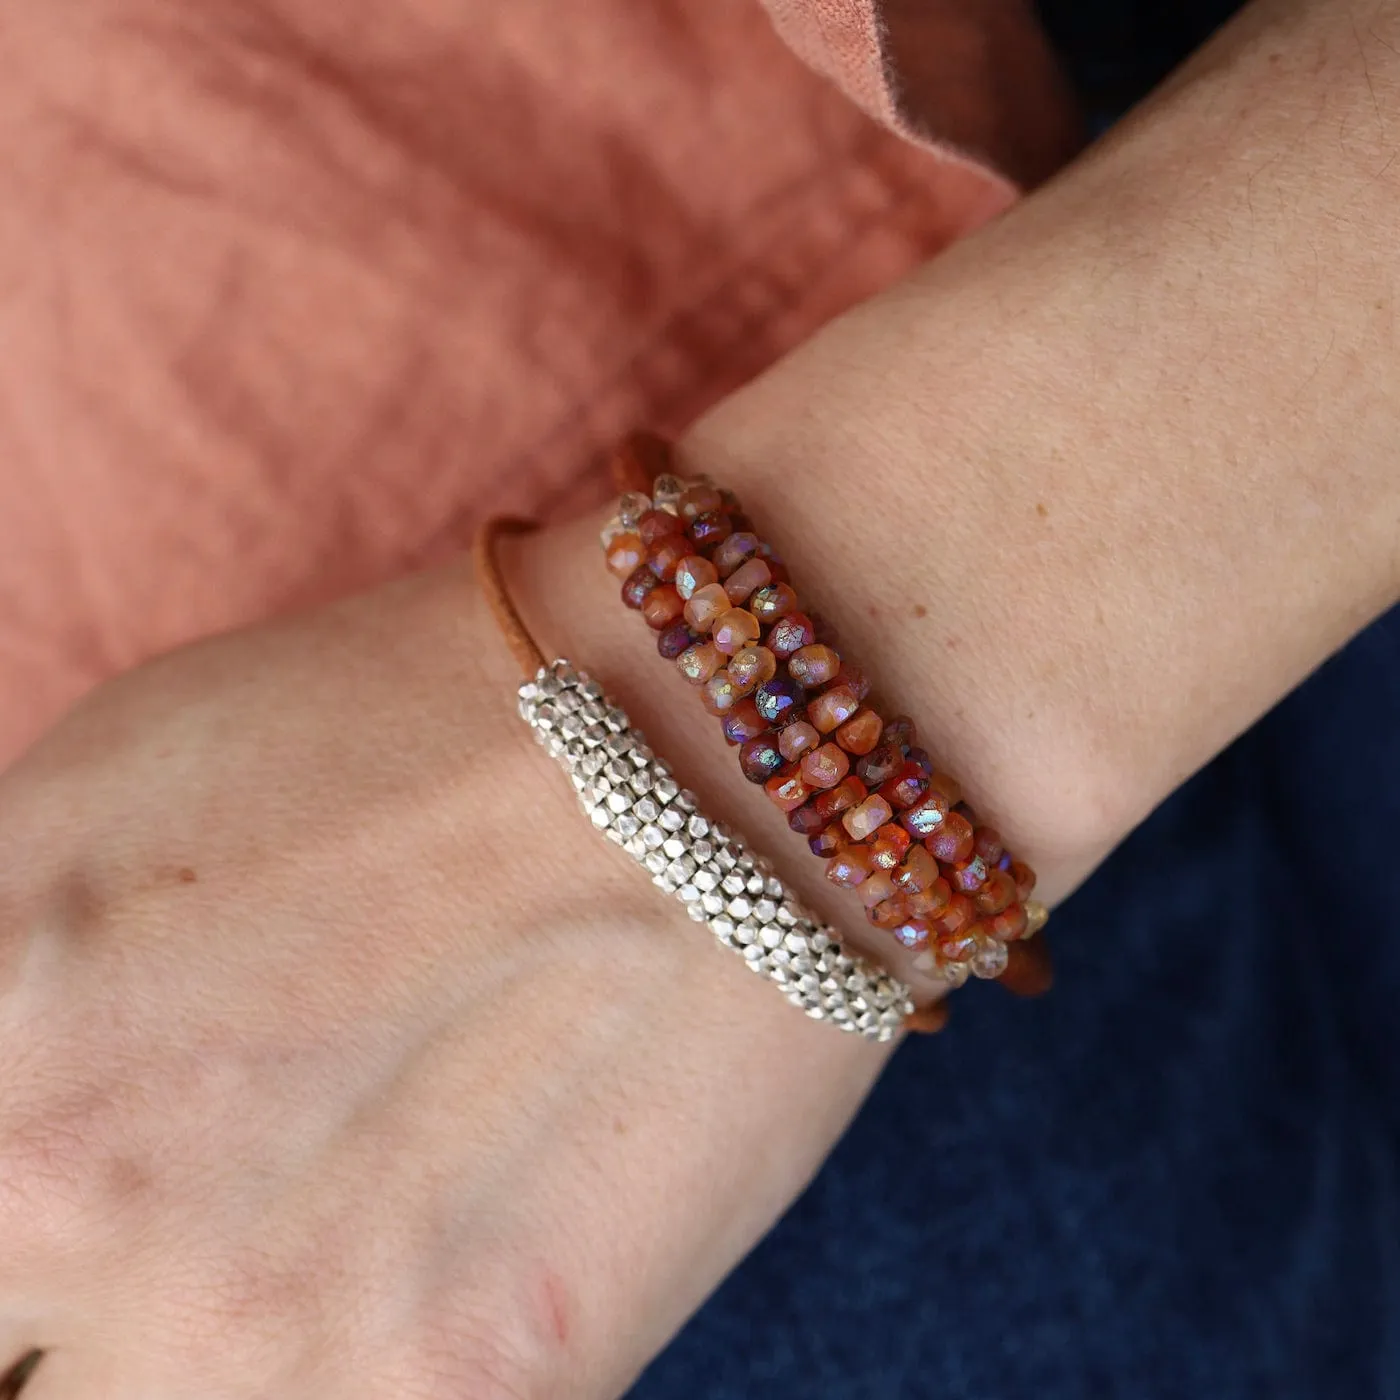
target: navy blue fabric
1179 1175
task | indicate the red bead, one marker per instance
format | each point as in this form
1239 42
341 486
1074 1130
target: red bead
662 606
855 680
832 708
907 788
951 842
789 634
699 499
828 841
773 601
933 900
925 819
845 795
788 789
824 767
779 701
673 640
744 722
996 894
709 529
807 820
1024 877
899 732
917 872
1009 925
920 759
734 550
866 817
639 583
850 867
626 554
657 525
666 554
880 764
813 666
889 845
987 842
860 733
955 916
968 876
759 759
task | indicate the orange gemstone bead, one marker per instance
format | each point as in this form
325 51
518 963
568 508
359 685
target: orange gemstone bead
952 841
733 551
824 767
969 876
637 585
700 499
719 694
889 845
734 630
1024 877
814 666
788 789
998 893
797 738
746 580
662 606
828 841
987 842
877 888
867 817
955 916
931 900
907 788
845 795
832 708
693 573
918 871
860 733
1009 924
850 867
657 525
790 633
708 603
698 662
666 554
744 722
956 947
773 601
912 932
926 819
625 554
752 667
890 914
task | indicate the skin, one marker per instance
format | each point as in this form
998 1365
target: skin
321 1081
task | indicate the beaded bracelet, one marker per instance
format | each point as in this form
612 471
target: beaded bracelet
889 824
633 798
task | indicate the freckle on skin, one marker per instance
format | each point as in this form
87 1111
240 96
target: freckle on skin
920 610
188 876
951 644
557 1306
1040 509
619 1127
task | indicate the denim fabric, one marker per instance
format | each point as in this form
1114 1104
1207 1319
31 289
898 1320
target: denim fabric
1179 1175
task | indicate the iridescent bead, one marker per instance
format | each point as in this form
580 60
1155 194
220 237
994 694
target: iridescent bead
955 947
848 793
968 876
933 900
779 701
710 529
876 888
662 606
920 759
832 708
759 759
743 722
1008 924
807 820
850 867
747 579
734 550
889 845
666 491
632 507
911 933
954 917
699 662
828 841
996 894
734 630
1024 877
752 667
787 789
657 525
907 788
705 605
790 633
666 554
699 498
867 817
952 841
954 974
925 819
718 694
990 959
693 573
860 733
813 666
900 732
772 601
917 872
824 767
639 583
987 842
881 764
673 640
797 738
855 680
1037 916
626 554
890 914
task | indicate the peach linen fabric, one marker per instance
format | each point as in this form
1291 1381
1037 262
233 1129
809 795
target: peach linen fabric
437 257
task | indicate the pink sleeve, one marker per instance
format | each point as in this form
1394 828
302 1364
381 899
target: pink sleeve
973 79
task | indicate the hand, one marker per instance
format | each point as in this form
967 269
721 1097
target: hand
341 1057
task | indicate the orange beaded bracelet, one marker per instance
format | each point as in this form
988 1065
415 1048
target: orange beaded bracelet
891 825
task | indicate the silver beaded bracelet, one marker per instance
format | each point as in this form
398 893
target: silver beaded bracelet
632 797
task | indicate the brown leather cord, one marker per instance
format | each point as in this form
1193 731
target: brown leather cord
523 646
